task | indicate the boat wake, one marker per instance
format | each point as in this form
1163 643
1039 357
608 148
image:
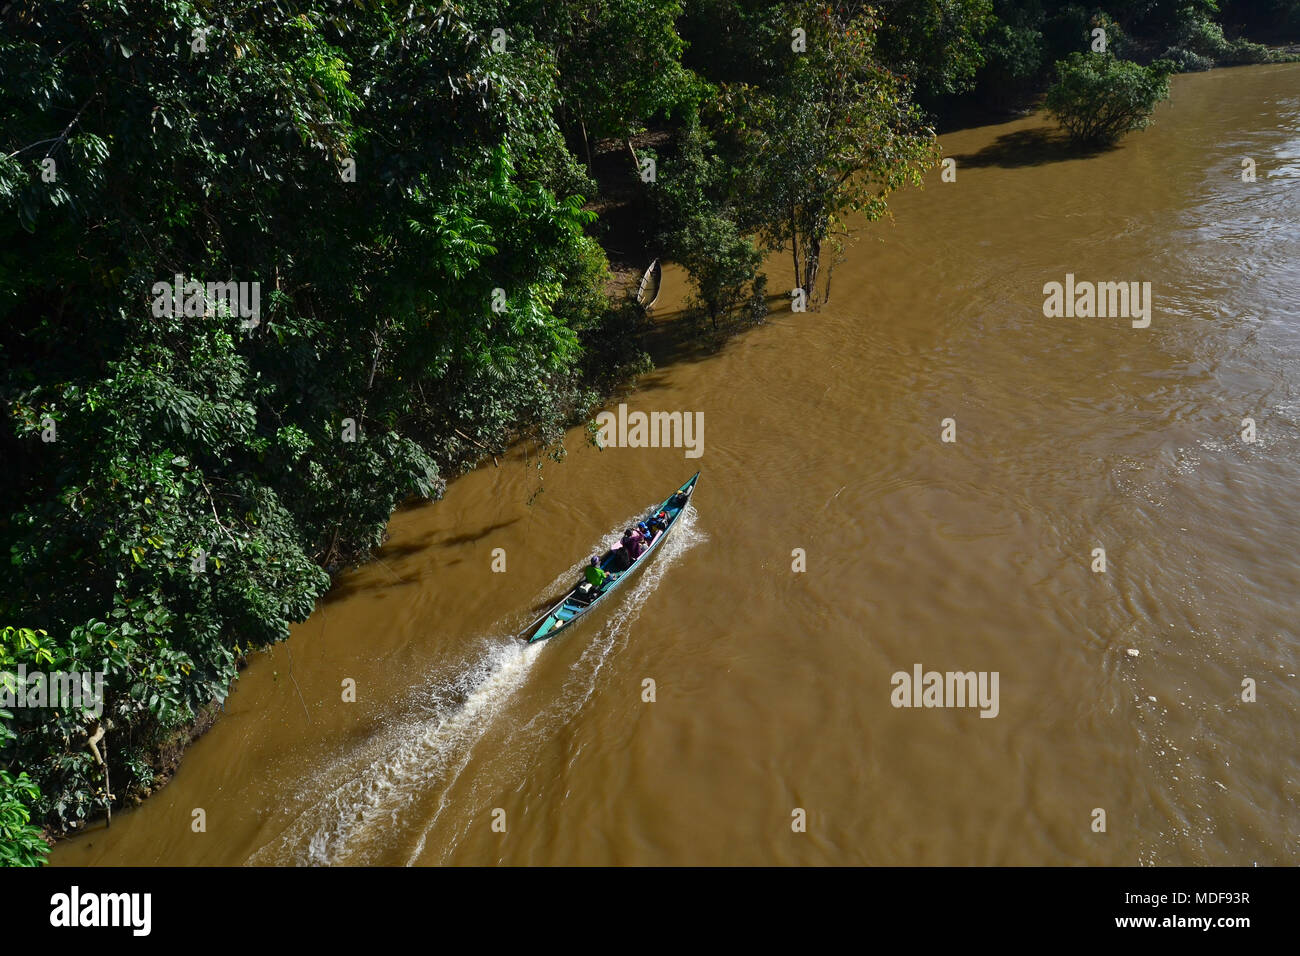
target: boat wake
371 788
350 809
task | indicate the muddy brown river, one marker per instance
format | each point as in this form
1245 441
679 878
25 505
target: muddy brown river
1145 714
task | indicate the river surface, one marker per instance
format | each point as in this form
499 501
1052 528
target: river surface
773 688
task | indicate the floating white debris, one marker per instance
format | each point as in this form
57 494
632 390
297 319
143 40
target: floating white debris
1132 652
1152 699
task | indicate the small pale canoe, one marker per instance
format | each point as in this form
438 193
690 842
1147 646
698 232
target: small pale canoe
647 293
584 597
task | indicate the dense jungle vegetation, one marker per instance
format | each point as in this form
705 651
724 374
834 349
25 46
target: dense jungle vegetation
411 187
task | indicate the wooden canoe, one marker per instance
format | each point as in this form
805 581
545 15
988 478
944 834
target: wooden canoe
647 293
583 597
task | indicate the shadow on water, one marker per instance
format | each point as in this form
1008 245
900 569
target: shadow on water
392 551
356 584
471 536
385 557
1028 147
679 336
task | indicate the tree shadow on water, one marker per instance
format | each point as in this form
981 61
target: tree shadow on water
469 537
386 573
1028 147
686 335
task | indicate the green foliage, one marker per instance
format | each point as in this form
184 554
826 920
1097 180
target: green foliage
621 63
1185 61
21 844
1098 98
1200 44
1118 42
938 44
1168 17
200 483
698 225
738 41
1027 35
1015 52
1206 38
722 262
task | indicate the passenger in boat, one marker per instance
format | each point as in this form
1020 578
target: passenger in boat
678 500
595 574
647 532
633 545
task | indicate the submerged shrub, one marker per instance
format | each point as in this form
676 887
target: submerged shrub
721 262
1097 98
1185 61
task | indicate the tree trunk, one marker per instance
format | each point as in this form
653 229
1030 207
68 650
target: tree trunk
100 736
794 254
810 271
636 163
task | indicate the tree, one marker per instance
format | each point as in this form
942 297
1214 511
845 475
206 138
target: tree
697 225
1097 98
830 139
624 64
938 44
721 262
618 61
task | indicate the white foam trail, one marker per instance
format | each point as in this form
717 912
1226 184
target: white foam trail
358 796
398 765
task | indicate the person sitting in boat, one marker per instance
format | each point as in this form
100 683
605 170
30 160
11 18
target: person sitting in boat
678 500
633 545
647 532
596 575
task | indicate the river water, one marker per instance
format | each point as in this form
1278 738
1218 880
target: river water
772 687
